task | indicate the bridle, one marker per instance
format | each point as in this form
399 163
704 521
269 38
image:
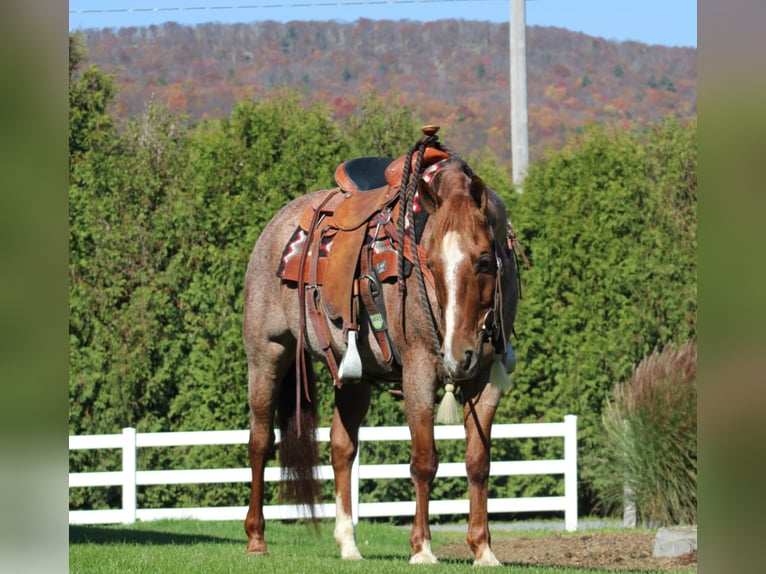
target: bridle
492 328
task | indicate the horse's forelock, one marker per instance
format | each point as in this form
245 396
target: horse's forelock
459 213
450 178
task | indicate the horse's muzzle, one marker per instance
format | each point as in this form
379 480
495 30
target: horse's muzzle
463 369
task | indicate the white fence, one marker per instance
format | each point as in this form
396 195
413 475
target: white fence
129 478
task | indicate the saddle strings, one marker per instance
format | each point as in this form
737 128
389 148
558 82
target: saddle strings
403 186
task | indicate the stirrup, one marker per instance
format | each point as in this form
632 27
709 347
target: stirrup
350 370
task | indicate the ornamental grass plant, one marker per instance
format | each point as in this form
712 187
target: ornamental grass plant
650 427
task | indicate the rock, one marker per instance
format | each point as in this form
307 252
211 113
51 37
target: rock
675 541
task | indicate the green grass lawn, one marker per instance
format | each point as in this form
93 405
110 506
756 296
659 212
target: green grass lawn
211 547
187 546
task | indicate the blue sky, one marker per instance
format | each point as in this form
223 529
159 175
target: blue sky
666 22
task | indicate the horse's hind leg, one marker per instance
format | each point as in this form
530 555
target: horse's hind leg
264 377
351 404
479 410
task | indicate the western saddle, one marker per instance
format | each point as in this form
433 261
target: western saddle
346 245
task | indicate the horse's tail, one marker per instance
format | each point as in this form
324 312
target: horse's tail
298 452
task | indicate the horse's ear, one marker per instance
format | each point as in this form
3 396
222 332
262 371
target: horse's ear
478 192
429 200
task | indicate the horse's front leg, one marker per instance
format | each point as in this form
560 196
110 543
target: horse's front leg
419 405
479 410
351 404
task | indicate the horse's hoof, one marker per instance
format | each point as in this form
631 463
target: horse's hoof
257 549
350 554
257 552
349 551
487 558
425 556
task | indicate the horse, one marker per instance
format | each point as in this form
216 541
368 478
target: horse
451 329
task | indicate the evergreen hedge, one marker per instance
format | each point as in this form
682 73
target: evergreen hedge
163 217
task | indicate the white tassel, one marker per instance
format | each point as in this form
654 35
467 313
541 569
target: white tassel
498 376
448 413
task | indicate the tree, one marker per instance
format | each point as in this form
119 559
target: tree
163 217
90 93
381 127
162 222
609 224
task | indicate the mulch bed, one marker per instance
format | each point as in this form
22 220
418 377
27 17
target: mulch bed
609 551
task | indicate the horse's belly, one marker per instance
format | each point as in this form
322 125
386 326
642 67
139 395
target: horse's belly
373 364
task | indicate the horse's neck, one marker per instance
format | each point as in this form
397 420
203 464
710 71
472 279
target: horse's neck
414 287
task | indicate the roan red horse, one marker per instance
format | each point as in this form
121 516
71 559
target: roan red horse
404 273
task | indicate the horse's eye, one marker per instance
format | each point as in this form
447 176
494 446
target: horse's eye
486 264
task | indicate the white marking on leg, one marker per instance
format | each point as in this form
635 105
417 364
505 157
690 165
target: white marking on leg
345 534
487 558
425 556
452 255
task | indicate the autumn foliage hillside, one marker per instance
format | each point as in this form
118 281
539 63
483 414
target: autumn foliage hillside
450 72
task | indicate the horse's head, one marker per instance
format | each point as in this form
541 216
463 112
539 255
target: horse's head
463 258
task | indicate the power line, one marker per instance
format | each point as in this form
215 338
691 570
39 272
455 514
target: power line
268 5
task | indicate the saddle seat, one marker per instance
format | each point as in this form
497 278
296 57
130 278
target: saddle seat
362 174
369 183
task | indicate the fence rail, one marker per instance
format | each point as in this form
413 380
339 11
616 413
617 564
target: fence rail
130 477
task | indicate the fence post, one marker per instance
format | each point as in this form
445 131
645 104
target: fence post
355 485
628 501
628 507
570 476
129 475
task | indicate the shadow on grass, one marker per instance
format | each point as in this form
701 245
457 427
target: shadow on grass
100 535
404 559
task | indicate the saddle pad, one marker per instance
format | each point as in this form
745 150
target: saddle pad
384 259
289 264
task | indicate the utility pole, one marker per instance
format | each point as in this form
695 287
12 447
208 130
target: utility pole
519 134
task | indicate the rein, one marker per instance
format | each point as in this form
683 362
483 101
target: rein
407 190
492 329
